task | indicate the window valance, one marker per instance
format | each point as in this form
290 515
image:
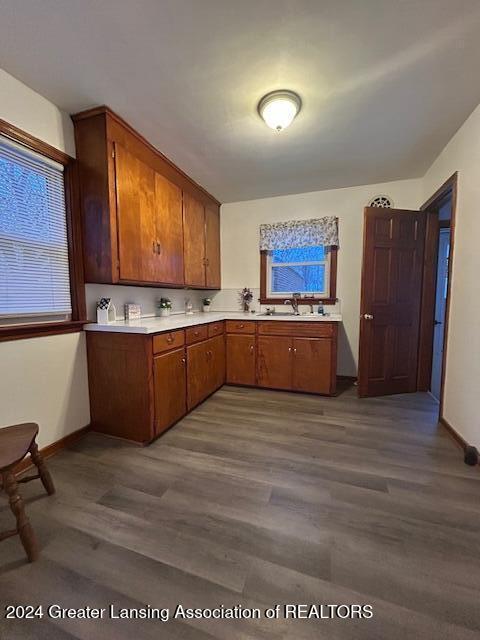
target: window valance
299 233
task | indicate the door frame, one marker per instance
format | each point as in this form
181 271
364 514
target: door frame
427 314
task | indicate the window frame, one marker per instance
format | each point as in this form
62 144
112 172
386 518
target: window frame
74 242
331 299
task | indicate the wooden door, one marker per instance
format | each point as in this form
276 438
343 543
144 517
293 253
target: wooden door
312 365
169 238
217 362
241 359
170 389
194 241
198 374
390 306
212 247
135 192
274 362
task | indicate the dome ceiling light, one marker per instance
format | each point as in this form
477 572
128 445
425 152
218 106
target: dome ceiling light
279 108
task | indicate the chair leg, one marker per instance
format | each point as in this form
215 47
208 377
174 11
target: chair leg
43 472
24 528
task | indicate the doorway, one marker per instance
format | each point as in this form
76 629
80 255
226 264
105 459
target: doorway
440 311
406 277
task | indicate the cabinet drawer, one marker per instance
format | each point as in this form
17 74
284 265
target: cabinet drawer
239 326
166 341
215 329
308 329
196 334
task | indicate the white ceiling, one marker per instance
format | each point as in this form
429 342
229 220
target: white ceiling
384 83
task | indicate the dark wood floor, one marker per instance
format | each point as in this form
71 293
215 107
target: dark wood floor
259 498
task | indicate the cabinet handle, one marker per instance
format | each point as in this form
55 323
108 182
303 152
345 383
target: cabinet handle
240 326
184 360
159 248
294 349
289 349
207 262
170 339
251 348
195 333
154 247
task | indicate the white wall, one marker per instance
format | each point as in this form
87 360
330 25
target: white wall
43 380
462 382
147 297
240 254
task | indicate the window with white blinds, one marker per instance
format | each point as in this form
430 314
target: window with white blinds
34 265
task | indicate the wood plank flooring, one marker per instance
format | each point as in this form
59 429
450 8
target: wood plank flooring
254 499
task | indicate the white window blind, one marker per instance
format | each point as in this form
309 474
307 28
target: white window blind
34 267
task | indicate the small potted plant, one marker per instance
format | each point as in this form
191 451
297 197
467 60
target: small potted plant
246 297
206 304
164 306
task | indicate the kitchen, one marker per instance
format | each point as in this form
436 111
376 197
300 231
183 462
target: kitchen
219 247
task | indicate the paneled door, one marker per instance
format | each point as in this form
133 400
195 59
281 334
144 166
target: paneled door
136 218
274 362
212 247
194 241
169 237
390 303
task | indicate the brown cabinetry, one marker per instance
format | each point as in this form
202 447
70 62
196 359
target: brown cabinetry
201 237
170 384
296 356
241 359
144 221
274 364
314 369
140 385
206 369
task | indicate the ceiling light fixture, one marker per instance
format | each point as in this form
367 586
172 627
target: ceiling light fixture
279 108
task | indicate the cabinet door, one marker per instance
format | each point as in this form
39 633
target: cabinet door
216 360
170 382
194 241
313 365
135 191
274 362
241 359
169 238
212 247
198 374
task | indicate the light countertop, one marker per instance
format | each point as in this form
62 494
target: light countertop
181 320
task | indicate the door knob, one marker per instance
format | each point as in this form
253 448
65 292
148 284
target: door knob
367 316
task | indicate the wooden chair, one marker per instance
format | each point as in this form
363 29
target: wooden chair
15 443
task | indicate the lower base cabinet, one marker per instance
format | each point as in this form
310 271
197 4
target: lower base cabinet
314 370
206 369
291 356
274 362
170 385
241 359
140 385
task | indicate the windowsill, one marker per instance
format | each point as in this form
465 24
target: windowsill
21 331
301 301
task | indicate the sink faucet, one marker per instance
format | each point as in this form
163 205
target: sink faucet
294 303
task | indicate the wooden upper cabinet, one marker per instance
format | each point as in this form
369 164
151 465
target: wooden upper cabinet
136 218
144 221
212 247
169 231
194 241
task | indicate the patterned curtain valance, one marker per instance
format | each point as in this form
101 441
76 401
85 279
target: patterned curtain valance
299 233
